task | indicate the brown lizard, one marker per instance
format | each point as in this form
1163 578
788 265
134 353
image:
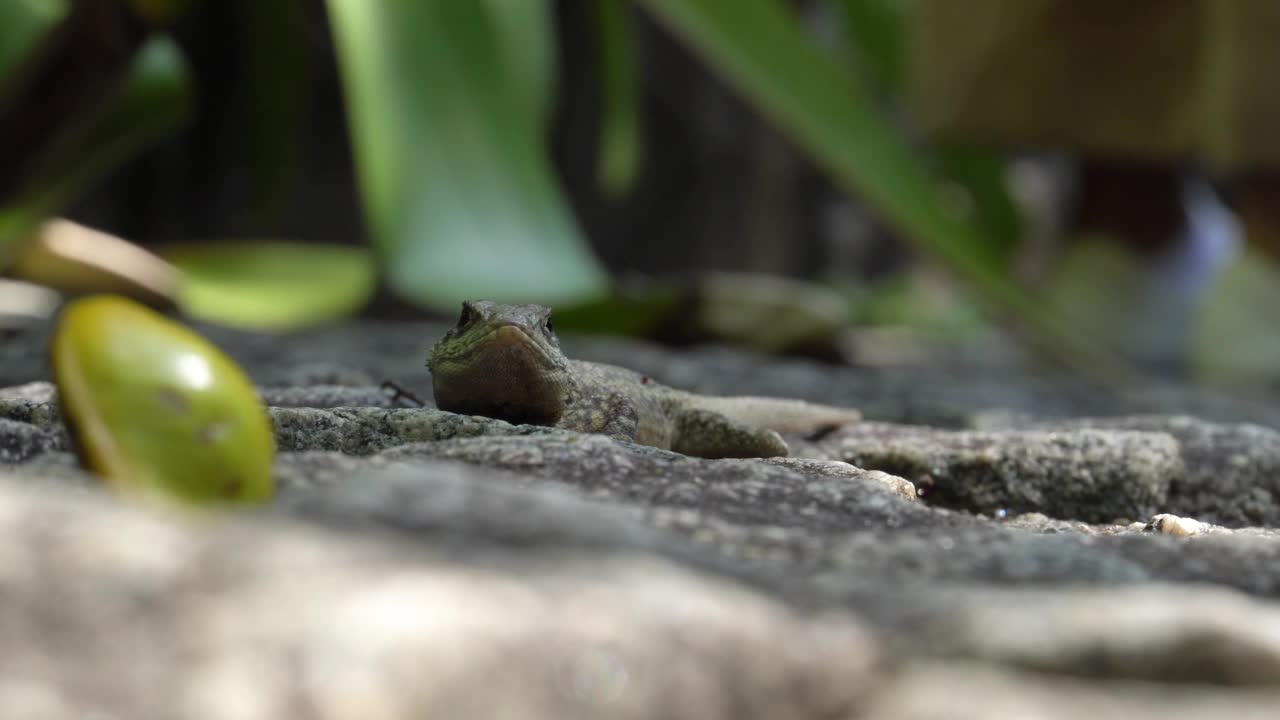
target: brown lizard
504 361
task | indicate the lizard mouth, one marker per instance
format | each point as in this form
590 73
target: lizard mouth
504 372
506 348
512 341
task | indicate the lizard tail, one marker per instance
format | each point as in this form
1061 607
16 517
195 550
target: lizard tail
778 414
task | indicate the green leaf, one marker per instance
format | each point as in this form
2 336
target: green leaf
619 149
150 102
759 47
272 285
1234 338
23 25
457 187
874 31
525 31
872 34
979 173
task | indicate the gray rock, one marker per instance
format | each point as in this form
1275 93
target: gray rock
352 430
971 691
818 536
32 404
1090 475
33 392
118 612
419 563
1232 473
363 430
443 503
21 441
326 396
817 495
1155 633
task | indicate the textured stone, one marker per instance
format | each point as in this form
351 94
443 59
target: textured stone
972 691
1155 633
744 491
326 396
362 431
1090 475
22 441
1232 473
115 612
1047 608
353 430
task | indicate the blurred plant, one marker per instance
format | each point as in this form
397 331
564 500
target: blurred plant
761 48
72 111
449 104
89 132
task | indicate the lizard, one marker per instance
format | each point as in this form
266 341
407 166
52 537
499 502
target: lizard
505 362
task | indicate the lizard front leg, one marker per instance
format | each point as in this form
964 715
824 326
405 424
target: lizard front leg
610 415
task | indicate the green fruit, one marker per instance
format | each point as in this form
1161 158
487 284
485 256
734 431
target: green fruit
154 407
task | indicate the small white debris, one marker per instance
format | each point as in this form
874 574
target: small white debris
1167 524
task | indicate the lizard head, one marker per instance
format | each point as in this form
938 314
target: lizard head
501 361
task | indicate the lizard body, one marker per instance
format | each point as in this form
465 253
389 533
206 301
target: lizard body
504 361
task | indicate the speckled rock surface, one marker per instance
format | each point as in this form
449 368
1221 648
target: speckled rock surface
972 691
1232 469
1042 563
1082 474
151 617
352 430
1147 632
749 491
21 441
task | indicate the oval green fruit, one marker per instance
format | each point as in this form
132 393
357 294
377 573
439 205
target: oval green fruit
154 407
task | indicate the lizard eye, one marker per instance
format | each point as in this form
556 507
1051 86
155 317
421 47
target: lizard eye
551 329
467 315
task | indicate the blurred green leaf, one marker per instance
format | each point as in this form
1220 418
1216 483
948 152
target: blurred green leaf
274 55
760 47
874 32
525 31
23 24
150 102
923 302
980 174
619 148
622 312
1234 336
457 188
272 285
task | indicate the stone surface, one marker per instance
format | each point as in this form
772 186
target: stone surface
353 430
971 691
746 491
1083 474
1232 473
1155 633
21 441
239 620
1044 563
